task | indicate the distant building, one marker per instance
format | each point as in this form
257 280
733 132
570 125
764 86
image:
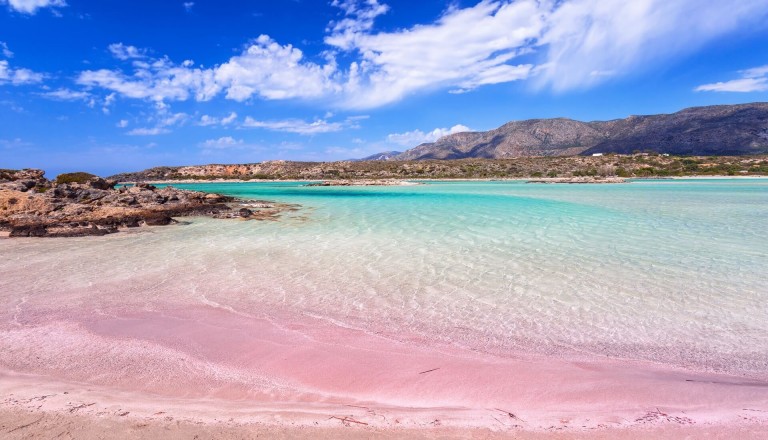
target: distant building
597 154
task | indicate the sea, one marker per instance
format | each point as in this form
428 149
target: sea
667 271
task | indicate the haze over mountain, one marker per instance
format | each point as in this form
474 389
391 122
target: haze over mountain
713 130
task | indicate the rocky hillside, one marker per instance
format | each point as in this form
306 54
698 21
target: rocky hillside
638 165
384 155
714 130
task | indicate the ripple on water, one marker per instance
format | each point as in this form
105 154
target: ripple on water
673 272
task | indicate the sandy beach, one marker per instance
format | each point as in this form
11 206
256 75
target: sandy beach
348 383
392 312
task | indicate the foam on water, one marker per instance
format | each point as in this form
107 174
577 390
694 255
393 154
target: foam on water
670 271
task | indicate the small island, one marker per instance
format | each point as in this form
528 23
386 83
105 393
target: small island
82 204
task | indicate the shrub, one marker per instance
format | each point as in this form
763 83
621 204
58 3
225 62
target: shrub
79 177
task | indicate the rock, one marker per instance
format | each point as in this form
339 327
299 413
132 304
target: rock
99 183
28 231
85 205
158 220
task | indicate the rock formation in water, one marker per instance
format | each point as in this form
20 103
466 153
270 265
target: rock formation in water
81 204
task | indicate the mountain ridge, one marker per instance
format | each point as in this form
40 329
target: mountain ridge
739 129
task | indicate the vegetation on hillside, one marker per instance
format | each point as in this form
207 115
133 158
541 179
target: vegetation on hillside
636 165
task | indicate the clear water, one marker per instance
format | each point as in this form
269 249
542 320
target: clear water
670 271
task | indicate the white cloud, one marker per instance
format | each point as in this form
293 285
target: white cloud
229 119
295 126
359 17
67 95
122 123
4 49
755 72
273 71
583 37
123 52
222 143
31 6
207 120
148 131
159 80
19 76
465 48
416 137
188 6
163 120
752 80
557 44
743 85
108 101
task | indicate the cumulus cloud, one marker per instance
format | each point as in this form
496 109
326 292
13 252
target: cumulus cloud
188 6
416 137
295 126
17 77
273 71
159 80
752 80
122 123
31 6
556 44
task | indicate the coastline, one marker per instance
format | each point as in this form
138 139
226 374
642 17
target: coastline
487 179
360 383
248 369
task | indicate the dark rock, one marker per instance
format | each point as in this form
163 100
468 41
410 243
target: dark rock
245 212
158 220
35 230
99 183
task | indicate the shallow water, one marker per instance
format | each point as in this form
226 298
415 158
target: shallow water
669 271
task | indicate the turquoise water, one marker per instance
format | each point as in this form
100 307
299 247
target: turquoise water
669 271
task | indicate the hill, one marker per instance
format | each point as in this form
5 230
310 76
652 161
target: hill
698 131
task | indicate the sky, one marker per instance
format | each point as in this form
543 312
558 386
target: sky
108 86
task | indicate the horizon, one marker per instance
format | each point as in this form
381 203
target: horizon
84 86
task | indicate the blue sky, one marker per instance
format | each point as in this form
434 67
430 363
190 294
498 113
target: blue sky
108 86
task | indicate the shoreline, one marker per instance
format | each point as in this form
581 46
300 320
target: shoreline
490 179
357 381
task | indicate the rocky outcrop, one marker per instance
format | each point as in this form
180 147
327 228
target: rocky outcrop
32 206
714 130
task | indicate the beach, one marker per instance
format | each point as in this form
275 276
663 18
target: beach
449 309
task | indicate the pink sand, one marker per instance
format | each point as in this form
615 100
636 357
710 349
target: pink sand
221 363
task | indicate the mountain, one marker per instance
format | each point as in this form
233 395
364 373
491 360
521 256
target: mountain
714 130
385 155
